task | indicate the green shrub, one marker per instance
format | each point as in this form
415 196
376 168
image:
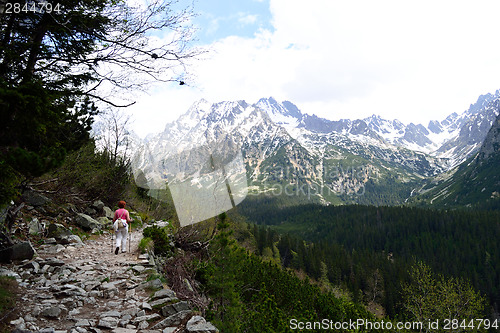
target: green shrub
161 239
146 244
154 275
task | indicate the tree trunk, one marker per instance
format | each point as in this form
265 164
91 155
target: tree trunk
4 45
40 32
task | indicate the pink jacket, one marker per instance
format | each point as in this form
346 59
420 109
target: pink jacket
121 213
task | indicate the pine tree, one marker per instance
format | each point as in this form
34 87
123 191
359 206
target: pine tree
54 62
226 307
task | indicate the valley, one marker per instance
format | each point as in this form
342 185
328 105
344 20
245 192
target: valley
338 200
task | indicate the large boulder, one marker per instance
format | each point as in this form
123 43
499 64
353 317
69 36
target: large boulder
57 231
104 221
90 211
198 324
70 239
86 222
173 320
17 252
36 227
98 205
109 213
35 199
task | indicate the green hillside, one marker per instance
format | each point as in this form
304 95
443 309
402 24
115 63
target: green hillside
473 184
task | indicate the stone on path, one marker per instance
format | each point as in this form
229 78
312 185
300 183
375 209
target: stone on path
36 227
70 239
52 312
164 293
123 330
173 320
108 322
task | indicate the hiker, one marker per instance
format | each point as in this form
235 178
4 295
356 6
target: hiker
120 224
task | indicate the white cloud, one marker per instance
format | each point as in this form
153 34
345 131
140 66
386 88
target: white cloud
162 105
390 56
247 19
346 59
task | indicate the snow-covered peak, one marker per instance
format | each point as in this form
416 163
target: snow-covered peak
285 114
373 119
194 114
227 109
390 130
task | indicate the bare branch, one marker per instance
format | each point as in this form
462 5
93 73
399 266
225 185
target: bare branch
128 47
109 102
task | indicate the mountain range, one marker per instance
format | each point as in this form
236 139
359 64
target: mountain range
288 153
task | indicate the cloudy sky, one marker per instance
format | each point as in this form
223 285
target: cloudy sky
410 60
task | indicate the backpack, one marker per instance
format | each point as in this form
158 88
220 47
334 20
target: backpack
120 223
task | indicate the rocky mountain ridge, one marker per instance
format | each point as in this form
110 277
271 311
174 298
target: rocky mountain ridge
329 161
454 138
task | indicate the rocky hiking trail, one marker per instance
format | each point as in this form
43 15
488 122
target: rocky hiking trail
85 287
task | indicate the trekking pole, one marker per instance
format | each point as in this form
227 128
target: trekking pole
112 232
130 236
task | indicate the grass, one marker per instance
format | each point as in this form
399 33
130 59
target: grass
154 275
146 245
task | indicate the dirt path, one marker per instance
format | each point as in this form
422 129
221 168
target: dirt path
73 288
102 248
